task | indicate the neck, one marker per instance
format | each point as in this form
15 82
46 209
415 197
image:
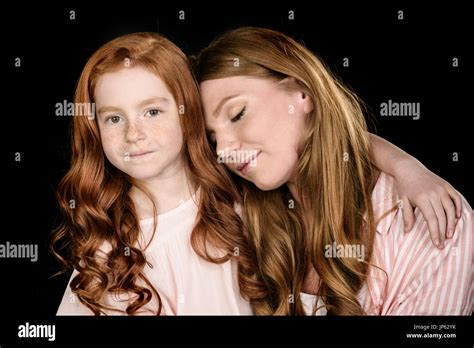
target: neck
300 199
294 192
168 191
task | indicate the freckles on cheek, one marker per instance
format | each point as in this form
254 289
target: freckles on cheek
110 142
166 135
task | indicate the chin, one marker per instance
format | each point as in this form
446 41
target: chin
142 174
268 185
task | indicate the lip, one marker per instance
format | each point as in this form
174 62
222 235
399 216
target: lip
244 167
139 153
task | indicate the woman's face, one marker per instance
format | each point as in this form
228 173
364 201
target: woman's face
256 124
139 123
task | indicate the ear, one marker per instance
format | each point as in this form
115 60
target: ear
303 99
306 102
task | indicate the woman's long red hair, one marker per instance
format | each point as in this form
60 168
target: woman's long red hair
335 176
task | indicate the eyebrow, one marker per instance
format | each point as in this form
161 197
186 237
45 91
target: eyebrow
154 100
141 104
105 109
217 110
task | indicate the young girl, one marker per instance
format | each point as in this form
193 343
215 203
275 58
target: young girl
150 226
325 222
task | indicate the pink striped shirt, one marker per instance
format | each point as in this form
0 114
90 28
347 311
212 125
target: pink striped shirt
419 279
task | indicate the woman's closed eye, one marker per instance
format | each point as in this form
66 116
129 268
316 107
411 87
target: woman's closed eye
237 117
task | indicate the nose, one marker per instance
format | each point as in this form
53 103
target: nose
227 146
134 132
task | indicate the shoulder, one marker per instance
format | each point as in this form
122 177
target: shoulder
415 273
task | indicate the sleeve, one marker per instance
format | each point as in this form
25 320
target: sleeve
70 304
443 281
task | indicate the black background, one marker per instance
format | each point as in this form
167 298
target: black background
407 60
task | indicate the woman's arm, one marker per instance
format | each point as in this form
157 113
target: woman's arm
437 200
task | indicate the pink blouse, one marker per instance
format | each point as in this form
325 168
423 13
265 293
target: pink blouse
419 279
186 283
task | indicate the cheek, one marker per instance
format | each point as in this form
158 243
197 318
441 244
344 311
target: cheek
273 128
287 127
111 144
256 130
167 135
283 161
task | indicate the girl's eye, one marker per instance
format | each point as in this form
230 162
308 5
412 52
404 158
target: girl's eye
113 119
154 112
237 117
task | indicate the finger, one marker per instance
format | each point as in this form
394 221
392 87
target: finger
441 217
450 210
408 215
432 222
456 197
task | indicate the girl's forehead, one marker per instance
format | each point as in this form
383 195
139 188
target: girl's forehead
131 83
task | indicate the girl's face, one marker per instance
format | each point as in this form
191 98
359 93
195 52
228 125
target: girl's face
256 124
139 123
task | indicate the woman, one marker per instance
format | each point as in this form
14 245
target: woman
309 186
